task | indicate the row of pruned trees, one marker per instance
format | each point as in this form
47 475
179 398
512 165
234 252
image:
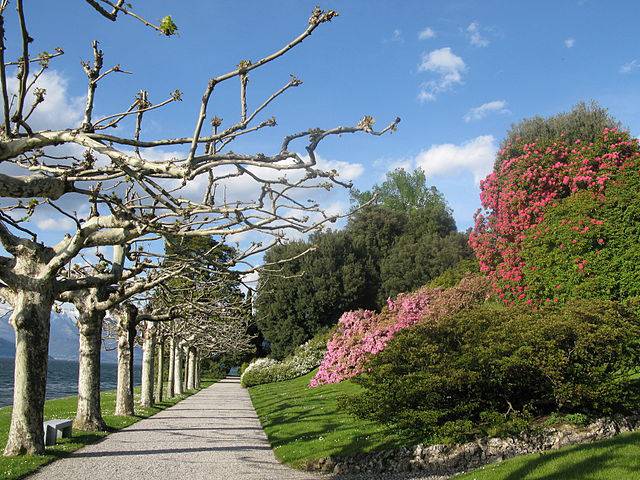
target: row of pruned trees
115 186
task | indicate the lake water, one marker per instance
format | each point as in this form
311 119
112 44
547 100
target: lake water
62 379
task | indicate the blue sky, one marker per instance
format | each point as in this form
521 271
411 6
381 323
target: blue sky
476 68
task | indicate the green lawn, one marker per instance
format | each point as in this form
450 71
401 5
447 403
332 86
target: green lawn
17 467
305 424
614 459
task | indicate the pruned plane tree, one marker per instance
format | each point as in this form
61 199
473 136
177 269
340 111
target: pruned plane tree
129 192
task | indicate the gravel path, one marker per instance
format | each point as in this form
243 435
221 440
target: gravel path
214 435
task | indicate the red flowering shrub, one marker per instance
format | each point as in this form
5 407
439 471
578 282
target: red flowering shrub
362 334
524 188
587 246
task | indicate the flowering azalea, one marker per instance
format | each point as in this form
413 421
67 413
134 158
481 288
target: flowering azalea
363 333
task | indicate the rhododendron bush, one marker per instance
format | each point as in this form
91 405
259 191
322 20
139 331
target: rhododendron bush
525 188
588 246
361 334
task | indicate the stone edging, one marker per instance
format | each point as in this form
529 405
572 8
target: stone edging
450 460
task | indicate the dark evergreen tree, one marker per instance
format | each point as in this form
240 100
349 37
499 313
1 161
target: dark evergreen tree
401 236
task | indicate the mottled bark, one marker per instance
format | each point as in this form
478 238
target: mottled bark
191 382
33 186
177 372
171 389
148 356
89 414
126 337
30 320
159 381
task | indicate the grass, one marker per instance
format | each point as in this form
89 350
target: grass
12 468
617 458
305 424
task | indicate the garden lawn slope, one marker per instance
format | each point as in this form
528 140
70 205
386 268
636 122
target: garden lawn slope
614 459
305 424
12 468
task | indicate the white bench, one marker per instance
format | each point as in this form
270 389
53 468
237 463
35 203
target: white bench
55 429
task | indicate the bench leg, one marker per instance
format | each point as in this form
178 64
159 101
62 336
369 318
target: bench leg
50 435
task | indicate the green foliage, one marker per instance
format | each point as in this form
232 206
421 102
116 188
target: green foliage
493 369
308 293
587 245
167 27
304 358
584 122
214 369
401 191
429 246
555 419
402 241
452 276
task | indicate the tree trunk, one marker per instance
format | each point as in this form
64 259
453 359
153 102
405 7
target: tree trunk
89 414
191 382
185 373
148 356
160 375
124 389
177 375
197 369
31 321
171 389
132 346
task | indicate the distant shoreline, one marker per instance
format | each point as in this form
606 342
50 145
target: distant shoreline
62 378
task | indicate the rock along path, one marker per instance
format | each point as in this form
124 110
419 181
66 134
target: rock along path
214 434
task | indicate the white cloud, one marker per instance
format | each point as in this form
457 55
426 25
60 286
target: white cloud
396 37
59 109
55 224
569 42
251 279
424 95
475 156
475 36
447 65
348 171
478 113
426 33
383 165
630 66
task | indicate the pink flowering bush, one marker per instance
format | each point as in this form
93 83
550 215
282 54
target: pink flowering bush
522 188
362 334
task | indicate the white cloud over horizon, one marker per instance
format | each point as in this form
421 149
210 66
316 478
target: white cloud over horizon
448 67
480 112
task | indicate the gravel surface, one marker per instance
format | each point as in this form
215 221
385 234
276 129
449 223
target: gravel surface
214 435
